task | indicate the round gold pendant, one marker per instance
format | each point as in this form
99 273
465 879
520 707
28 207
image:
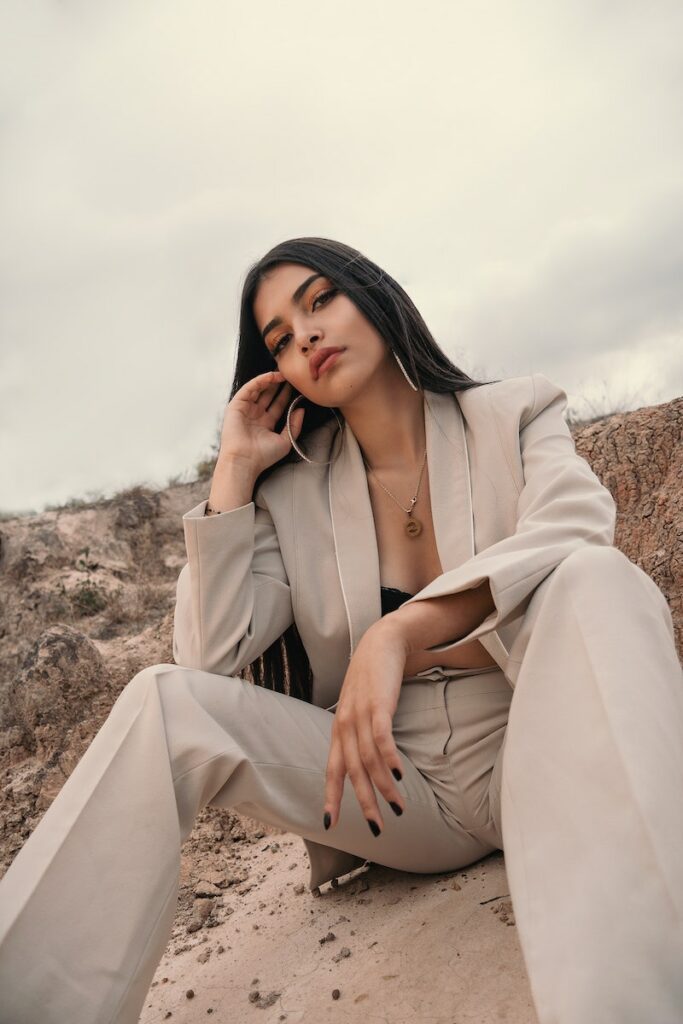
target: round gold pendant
413 527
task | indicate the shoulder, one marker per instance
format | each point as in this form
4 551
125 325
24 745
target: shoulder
515 400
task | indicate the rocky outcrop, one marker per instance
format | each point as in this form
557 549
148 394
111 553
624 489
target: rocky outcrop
639 456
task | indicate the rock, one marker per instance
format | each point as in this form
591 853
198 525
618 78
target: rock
638 455
263 1002
61 674
206 890
202 909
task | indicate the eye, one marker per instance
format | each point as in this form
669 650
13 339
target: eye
325 296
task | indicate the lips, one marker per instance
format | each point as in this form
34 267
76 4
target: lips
320 357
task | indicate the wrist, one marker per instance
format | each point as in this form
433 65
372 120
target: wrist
392 629
232 484
236 458
235 467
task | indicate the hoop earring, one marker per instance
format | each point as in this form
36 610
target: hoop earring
413 386
315 462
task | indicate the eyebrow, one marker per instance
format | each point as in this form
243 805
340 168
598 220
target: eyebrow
296 295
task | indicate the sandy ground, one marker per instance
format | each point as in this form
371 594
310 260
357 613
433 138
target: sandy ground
382 946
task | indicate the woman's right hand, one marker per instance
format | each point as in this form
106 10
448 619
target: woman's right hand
248 435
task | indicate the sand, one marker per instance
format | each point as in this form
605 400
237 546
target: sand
381 946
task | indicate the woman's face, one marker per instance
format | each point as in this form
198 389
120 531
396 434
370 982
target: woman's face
302 312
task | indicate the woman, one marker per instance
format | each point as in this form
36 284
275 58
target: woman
390 550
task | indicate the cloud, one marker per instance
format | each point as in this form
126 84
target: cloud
599 287
519 174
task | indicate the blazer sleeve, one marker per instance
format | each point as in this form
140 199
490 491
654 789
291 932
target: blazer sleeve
233 597
562 506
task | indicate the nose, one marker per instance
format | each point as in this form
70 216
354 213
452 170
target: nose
307 341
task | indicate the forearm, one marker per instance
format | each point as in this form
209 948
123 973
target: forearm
440 620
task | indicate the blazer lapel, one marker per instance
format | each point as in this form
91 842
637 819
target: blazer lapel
351 511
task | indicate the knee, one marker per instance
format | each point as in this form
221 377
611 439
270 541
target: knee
594 568
151 673
168 682
146 679
592 565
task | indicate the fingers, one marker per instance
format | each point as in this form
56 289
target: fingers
262 384
277 406
267 399
334 782
265 386
373 769
364 750
388 757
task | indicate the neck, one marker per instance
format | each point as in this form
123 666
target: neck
388 421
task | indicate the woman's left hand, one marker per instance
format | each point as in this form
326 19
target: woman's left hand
362 744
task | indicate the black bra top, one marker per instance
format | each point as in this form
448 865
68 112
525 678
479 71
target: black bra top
392 598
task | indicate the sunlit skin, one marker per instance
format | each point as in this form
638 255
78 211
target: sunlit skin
387 419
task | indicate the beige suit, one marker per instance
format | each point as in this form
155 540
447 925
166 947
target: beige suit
586 705
510 499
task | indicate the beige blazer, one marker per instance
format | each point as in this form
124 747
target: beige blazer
510 497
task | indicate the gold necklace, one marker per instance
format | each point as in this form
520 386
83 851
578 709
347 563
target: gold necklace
413 526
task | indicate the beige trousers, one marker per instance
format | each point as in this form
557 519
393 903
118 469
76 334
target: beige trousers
585 802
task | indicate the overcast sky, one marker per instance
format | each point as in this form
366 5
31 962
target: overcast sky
515 166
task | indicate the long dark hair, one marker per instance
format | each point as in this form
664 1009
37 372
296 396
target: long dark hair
284 666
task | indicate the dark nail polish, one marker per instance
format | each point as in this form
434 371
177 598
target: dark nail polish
396 773
327 819
374 827
395 808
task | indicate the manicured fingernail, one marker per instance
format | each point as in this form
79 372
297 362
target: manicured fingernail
396 773
327 819
395 808
374 827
